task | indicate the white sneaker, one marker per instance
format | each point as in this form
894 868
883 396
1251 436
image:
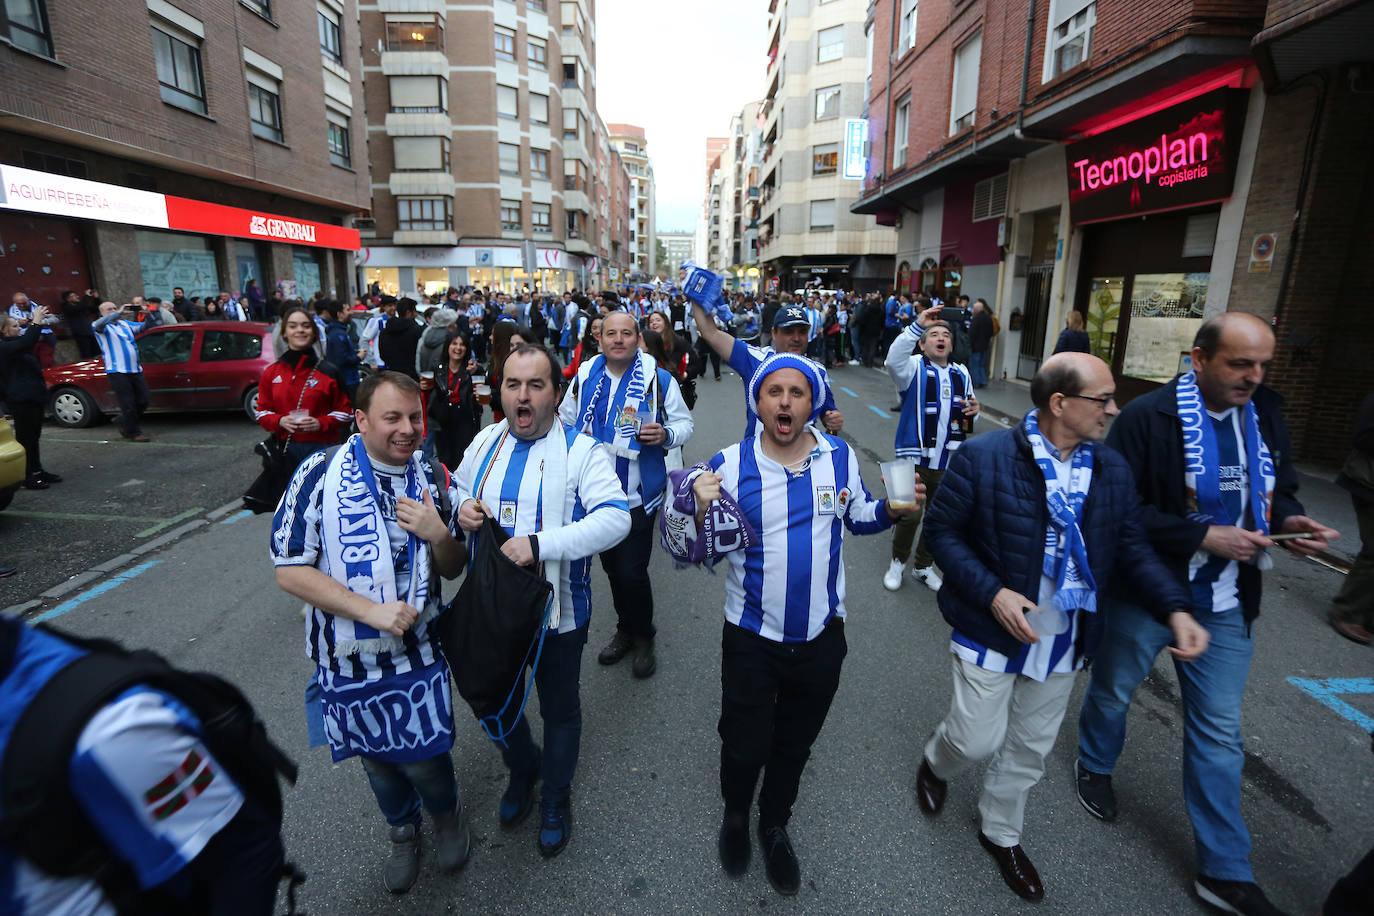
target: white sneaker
853 362
928 577
892 579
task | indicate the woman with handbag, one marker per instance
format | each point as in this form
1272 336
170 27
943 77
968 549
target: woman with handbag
299 401
455 415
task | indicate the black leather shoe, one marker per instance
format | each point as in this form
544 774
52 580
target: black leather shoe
733 845
779 861
1094 792
1017 869
619 647
403 865
930 789
35 482
49 477
643 664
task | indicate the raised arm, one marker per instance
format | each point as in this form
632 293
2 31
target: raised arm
717 339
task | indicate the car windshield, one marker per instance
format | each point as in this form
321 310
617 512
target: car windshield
165 347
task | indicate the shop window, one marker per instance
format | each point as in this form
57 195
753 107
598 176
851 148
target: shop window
414 33
418 94
1166 311
331 39
827 103
509 156
990 197
829 44
25 24
420 154
539 53
507 102
424 213
964 92
165 347
539 163
951 278
904 277
822 215
305 266
505 43
539 109
180 78
1104 316
900 126
511 218
825 159
227 346
340 146
1069 42
542 217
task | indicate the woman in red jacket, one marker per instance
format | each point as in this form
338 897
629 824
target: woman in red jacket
299 402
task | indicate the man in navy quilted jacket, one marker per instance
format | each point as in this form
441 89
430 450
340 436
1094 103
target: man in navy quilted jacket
1030 525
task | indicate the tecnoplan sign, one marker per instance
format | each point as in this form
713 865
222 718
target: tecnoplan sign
57 195
855 148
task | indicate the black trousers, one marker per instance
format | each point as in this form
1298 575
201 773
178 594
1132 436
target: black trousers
774 700
86 345
28 426
627 568
704 352
131 392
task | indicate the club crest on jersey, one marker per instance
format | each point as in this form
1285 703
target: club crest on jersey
507 515
844 499
825 500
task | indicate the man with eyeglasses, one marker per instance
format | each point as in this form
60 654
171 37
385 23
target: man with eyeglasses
1211 459
1037 520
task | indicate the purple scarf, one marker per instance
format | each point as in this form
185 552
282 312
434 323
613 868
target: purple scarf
722 530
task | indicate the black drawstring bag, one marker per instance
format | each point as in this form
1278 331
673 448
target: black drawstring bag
494 627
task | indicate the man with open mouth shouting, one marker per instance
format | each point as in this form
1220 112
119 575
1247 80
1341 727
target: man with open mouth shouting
794 489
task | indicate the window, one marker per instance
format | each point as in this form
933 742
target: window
907 39
540 5
542 217
539 53
539 108
822 215
511 219
261 7
1071 35
424 213
825 159
570 69
827 103
571 120
331 42
574 175
179 74
166 347
507 102
509 155
420 154
264 106
226 346
419 33
340 146
990 198
505 43
58 165
900 127
25 24
418 93
964 94
539 163
830 44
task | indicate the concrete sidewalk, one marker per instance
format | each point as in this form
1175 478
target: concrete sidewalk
1008 401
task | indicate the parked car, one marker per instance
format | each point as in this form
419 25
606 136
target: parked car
205 365
11 463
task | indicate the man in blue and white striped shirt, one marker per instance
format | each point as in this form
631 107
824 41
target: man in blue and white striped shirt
115 330
783 641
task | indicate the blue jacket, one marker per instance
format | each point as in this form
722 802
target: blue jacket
341 350
1149 435
986 529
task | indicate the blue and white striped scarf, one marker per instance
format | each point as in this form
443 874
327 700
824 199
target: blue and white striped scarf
1066 553
613 417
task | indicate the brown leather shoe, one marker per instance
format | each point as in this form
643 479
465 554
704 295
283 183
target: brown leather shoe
1351 631
930 789
1017 869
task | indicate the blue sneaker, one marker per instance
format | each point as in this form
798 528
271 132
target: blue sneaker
518 800
555 826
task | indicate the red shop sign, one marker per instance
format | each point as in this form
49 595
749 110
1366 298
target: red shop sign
1179 157
215 219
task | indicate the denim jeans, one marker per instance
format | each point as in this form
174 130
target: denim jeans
1213 749
560 667
978 368
401 787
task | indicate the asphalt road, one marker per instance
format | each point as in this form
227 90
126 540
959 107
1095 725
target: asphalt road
646 803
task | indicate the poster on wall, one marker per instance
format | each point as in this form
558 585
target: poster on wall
248 270
1166 311
192 270
307 276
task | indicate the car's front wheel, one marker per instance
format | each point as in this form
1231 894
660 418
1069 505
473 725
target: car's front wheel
250 403
73 408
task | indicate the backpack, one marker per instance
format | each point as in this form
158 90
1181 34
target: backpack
996 326
40 815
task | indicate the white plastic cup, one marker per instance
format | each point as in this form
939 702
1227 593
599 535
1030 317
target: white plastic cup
300 413
900 479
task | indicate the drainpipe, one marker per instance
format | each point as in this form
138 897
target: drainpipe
1020 133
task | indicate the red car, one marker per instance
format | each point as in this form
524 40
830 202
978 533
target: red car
205 365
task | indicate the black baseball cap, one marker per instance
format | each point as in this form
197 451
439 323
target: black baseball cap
790 315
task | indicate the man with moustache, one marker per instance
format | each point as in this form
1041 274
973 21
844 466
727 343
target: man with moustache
544 483
1212 461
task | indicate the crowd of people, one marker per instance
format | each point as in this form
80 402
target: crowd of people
1061 543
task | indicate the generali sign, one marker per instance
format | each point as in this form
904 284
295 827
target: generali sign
1179 157
58 195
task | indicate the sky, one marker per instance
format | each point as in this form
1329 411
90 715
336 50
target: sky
680 70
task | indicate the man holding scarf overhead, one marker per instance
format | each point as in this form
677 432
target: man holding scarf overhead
1212 461
1037 519
622 399
358 537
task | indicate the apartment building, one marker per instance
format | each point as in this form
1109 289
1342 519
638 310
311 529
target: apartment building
488 156
808 233
677 247
715 146
180 160
633 147
1148 166
741 161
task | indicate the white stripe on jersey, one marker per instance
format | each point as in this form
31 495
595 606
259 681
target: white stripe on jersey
791 583
117 345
